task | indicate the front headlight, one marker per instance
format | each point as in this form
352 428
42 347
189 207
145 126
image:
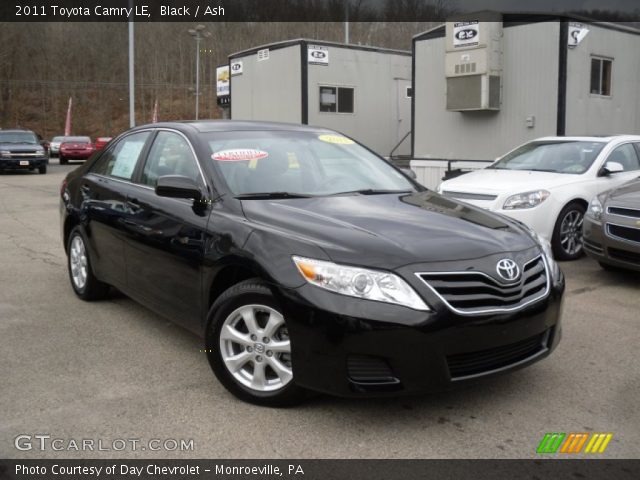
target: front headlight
40 152
526 200
359 282
595 209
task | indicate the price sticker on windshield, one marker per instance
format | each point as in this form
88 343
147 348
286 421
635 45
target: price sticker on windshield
338 139
239 155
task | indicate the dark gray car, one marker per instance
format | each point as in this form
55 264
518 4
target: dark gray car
612 227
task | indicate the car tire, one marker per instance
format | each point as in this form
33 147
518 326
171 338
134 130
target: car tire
42 170
62 160
245 346
567 233
83 281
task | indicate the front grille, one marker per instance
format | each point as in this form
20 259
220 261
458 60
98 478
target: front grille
23 154
624 212
624 255
625 233
369 369
483 362
477 293
469 196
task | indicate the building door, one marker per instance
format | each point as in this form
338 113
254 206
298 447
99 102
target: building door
403 115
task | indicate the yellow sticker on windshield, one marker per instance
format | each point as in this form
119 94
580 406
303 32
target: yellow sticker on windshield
340 140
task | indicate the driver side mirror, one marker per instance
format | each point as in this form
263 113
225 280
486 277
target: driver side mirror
609 168
409 173
178 186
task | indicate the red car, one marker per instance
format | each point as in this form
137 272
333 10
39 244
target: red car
101 142
75 148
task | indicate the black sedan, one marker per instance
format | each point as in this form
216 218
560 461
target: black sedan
307 262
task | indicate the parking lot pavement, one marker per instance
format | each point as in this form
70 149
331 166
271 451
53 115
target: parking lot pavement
114 370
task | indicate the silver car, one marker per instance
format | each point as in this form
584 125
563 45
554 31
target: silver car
54 145
612 227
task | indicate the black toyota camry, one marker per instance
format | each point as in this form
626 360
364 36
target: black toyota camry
307 262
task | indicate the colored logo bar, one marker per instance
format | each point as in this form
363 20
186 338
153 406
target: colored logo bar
574 443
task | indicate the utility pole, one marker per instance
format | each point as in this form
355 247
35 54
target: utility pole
132 91
346 23
198 34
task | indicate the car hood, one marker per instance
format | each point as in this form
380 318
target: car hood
20 147
491 181
627 195
390 230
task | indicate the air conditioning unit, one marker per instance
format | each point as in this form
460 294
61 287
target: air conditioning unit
473 64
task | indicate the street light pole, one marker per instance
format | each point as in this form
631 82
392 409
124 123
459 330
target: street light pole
198 34
132 91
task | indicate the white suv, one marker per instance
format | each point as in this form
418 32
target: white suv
548 184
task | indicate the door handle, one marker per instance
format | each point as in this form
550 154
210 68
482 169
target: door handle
85 189
134 204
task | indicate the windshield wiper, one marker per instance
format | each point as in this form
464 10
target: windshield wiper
371 191
270 195
542 170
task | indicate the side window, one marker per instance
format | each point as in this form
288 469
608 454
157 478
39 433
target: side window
120 160
336 99
601 76
170 154
627 156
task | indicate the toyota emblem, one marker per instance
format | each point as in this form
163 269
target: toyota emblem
508 269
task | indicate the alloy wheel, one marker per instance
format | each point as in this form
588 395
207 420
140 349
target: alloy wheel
571 232
255 348
78 262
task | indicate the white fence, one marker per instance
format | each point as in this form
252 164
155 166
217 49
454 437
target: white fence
430 172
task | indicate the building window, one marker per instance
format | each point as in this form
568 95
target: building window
601 76
337 99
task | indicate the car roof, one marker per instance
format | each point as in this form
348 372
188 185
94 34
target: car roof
590 138
204 126
17 130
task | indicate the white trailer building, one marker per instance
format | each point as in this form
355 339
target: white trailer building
488 84
361 91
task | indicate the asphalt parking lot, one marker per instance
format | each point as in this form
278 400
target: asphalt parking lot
114 370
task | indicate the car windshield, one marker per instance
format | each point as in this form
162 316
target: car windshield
293 163
76 140
58 139
18 137
554 156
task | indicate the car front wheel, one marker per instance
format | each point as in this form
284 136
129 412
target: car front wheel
248 346
567 233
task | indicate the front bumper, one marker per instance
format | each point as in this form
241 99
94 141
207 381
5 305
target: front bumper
607 249
343 339
540 218
23 163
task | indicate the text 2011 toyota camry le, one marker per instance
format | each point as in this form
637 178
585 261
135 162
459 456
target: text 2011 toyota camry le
307 262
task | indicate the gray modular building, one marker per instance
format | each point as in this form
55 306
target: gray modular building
361 91
482 88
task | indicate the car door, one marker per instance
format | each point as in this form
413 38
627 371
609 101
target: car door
166 239
104 209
